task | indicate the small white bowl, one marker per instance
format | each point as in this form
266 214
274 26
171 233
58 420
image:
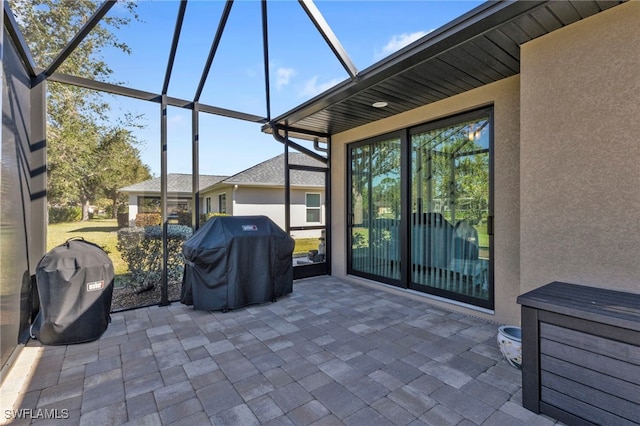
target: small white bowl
510 343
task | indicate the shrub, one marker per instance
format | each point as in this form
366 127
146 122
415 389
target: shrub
141 249
60 214
206 216
184 218
148 219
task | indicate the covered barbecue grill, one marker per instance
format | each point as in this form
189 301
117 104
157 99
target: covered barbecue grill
75 287
235 261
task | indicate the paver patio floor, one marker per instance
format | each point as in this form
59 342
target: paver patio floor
331 353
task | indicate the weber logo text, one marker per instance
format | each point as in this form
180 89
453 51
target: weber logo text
95 286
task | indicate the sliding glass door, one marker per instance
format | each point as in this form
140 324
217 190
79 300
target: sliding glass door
374 217
419 208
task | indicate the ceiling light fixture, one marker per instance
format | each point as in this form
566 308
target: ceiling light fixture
380 104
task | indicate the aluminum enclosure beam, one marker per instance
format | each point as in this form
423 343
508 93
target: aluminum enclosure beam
115 89
287 185
195 167
174 45
214 48
84 31
164 281
37 175
18 40
327 33
265 50
303 168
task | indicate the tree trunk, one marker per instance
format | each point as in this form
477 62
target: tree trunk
85 211
114 210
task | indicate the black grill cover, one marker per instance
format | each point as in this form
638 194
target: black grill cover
235 261
75 286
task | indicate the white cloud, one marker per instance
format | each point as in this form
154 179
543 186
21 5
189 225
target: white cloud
312 87
175 121
283 76
399 41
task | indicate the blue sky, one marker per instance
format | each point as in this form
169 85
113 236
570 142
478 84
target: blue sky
301 65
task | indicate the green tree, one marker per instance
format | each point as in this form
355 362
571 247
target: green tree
74 114
376 174
472 185
120 165
72 141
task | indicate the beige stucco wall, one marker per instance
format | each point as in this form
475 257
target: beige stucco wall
260 201
133 209
270 202
580 153
504 95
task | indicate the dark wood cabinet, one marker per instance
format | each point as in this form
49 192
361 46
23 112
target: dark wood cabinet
581 354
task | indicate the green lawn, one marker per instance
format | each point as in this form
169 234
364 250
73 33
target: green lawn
303 245
98 231
103 233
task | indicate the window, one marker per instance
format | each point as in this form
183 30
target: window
207 205
312 201
148 204
222 203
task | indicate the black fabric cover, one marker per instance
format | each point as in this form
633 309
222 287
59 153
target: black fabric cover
235 261
75 286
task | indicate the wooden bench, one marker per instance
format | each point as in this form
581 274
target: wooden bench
581 354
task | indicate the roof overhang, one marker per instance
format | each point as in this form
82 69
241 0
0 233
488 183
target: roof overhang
478 48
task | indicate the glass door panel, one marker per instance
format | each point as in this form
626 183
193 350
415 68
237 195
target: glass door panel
450 210
374 211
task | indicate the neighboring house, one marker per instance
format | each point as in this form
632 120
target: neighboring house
258 190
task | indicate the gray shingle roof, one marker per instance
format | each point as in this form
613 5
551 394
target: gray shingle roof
267 173
176 182
271 172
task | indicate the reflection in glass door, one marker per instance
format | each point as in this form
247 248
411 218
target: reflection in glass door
374 217
450 181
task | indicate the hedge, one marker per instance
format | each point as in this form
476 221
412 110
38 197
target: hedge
65 214
141 249
206 216
181 218
148 219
